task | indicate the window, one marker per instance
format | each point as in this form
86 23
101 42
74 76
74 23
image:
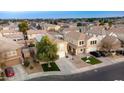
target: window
81 42
14 39
93 42
11 53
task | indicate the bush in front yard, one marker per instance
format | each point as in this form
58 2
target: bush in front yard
26 63
2 65
31 67
2 76
31 45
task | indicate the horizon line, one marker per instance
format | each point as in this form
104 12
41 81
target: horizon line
59 14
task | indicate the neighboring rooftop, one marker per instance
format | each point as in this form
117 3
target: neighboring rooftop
7 45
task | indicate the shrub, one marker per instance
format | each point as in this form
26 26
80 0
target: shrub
66 56
36 61
2 65
2 74
31 45
26 63
31 67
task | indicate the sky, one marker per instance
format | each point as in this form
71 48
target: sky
58 14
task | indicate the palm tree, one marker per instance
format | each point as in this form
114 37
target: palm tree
23 27
102 23
46 50
110 23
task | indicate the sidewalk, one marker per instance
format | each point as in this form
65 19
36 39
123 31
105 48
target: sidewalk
66 67
106 62
40 74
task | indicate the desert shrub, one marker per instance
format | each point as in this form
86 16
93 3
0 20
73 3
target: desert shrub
26 63
31 67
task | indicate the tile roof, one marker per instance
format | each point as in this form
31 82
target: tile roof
75 35
111 39
36 32
7 44
98 30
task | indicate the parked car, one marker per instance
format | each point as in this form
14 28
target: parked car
102 53
120 52
96 54
9 72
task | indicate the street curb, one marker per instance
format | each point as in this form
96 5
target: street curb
88 68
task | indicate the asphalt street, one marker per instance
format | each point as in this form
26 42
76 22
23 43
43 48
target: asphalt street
108 73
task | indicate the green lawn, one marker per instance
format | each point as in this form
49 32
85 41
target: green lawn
93 60
53 67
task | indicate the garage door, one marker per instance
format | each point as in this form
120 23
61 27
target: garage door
61 54
91 49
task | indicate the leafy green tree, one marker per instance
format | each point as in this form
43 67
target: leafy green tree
46 50
109 44
26 63
79 24
90 20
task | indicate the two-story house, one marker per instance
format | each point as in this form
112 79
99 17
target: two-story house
76 42
80 43
10 52
92 43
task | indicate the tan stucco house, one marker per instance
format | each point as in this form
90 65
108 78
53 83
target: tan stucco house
76 42
80 43
10 54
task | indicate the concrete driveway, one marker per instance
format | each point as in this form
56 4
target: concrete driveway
20 74
65 66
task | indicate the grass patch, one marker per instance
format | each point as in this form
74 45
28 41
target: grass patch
93 60
53 67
